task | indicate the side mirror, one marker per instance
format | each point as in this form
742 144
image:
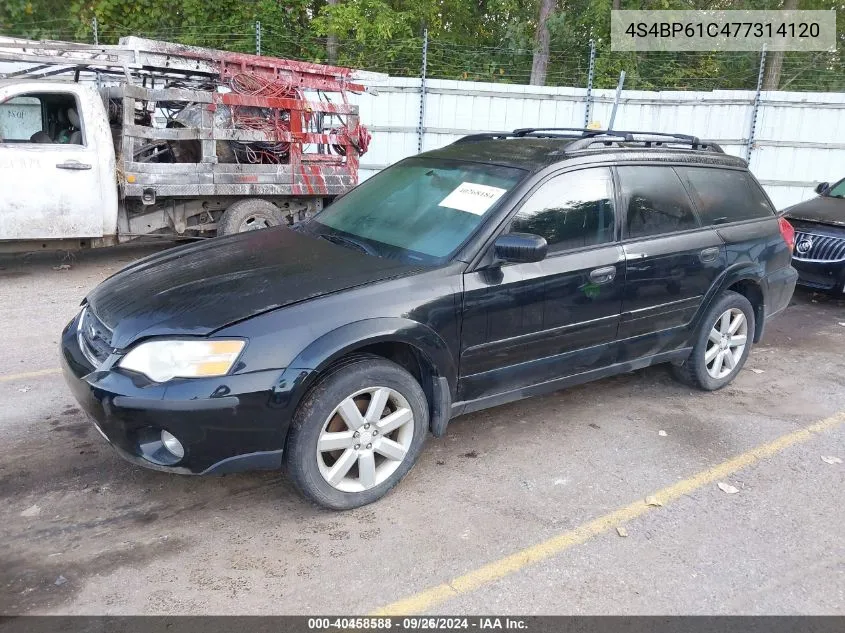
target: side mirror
520 248
822 188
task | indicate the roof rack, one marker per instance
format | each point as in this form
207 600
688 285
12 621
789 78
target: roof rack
584 138
135 57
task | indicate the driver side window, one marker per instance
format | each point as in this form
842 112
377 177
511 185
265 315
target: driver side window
50 118
571 211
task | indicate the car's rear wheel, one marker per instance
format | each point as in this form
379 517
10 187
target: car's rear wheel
722 344
357 433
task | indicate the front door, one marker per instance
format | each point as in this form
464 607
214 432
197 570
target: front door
50 177
526 324
671 261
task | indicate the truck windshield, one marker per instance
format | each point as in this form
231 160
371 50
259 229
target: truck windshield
419 210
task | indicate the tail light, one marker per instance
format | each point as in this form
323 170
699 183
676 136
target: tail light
788 233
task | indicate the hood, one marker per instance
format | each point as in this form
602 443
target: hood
824 209
202 287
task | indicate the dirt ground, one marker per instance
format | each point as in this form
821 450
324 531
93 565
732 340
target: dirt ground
83 532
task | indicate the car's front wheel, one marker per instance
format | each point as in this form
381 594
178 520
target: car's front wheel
357 433
722 343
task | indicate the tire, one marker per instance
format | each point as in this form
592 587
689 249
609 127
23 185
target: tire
249 215
698 369
323 416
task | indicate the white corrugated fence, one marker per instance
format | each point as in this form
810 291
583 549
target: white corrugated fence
799 137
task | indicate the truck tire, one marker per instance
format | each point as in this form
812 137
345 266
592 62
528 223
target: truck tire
249 215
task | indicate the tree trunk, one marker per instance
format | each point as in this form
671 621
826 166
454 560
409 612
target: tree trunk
617 4
331 40
774 60
541 48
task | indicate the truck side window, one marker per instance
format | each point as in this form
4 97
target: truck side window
41 118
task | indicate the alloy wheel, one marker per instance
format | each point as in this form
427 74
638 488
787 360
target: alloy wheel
365 439
726 343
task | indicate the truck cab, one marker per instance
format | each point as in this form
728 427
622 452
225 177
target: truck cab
154 138
57 162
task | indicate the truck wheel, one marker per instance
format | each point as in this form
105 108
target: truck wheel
357 433
250 215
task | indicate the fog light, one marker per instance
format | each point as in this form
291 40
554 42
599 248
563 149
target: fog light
172 444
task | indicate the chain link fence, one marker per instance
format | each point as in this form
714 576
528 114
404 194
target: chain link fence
403 57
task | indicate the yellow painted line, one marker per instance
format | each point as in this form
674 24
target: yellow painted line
496 570
29 374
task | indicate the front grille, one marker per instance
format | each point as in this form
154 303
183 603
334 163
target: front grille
811 247
94 338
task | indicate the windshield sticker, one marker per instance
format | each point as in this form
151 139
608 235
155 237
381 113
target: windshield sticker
472 198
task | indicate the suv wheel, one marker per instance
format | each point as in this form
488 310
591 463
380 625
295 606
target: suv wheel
722 344
357 433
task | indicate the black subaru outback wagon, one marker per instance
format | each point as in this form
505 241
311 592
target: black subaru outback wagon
500 267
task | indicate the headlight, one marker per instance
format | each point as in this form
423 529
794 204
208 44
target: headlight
163 360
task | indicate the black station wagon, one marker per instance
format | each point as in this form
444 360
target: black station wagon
499 267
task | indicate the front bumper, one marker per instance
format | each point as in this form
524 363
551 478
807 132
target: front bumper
828 276
226 424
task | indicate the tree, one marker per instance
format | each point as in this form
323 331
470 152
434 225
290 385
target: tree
540 63
331 39
774 64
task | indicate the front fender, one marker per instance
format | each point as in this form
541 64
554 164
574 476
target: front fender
325 350
308 365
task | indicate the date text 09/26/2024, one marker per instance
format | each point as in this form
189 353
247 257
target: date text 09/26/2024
431 623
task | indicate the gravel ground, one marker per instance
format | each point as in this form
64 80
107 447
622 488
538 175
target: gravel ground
82 532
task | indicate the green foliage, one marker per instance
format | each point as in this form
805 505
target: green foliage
482 40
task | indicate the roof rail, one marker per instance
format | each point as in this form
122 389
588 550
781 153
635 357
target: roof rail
538 131
647 139
484 136
583 138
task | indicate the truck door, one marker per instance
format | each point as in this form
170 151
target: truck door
52 183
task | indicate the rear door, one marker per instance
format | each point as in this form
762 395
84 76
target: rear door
50 175
530 323
671 260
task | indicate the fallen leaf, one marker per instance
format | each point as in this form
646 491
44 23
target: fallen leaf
830 459
62 267
662 433
652 501
622 532
727 488
60 581
31 511
757 371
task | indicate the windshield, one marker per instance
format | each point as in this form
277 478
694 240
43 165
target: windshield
838 190
419 210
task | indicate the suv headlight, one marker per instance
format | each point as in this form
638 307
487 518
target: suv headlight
163 360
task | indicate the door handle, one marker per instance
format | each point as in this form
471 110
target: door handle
74 164
603 275
636 255
709 254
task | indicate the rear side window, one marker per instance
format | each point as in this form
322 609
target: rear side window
572 210
725 195
656 201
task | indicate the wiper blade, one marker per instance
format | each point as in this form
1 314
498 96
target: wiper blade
345 241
